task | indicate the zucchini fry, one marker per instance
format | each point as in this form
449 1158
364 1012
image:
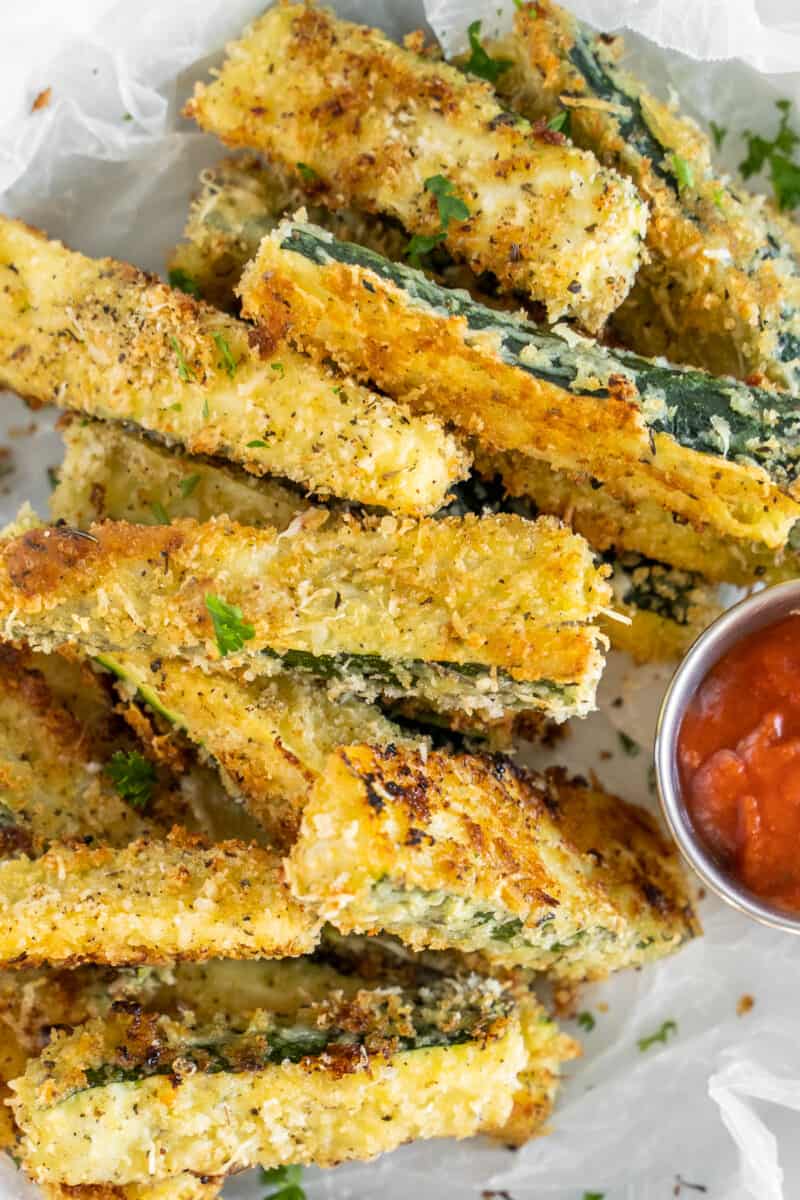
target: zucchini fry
343 1078
108 471
49 760
720 285
668 608
424 609
152 901
385 129
32 1003
468 853
240 200
269 738
103 338
78 889
714 451
609 524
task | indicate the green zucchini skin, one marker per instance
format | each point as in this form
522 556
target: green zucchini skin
654 587
723 417
515 695
439 1013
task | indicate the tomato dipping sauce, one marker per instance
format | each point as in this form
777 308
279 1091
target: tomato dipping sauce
739 762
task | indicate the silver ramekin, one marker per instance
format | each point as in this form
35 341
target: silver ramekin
763 608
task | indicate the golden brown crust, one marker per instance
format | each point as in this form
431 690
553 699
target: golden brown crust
300 80
467 852
100 337
153 901
429 590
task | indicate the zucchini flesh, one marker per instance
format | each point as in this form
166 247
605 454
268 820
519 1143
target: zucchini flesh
426 599
571 900
339 1079
721 288
392 121
711 449
104 339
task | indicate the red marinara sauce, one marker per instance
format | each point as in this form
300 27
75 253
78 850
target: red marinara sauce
739 762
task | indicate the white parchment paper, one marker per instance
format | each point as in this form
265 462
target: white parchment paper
109 166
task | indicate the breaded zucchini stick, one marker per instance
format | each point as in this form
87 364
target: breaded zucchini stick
467 853
107 471
154 900
103 338
720 285
140 1097
50 785
101 897
428 609
238 201
33 1002
664 608
712 450
391 131
269 738
611 524
668 608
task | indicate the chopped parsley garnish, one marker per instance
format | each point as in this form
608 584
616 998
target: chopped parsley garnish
257 444
230 629
586 1021
683 171
228 361
718 133
181 280
285 1181
479 62
629 746
777 156
52 478
594 1196
184 370
188 485
660 1035
160 513
205 408
450 207
278 367
306 171
559 122
422 243
133 777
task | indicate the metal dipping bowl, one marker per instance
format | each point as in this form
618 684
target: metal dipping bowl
754 613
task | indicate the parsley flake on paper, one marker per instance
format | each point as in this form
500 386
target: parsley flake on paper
777 156
661 1035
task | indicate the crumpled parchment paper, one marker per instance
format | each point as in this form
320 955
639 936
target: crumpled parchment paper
109 166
